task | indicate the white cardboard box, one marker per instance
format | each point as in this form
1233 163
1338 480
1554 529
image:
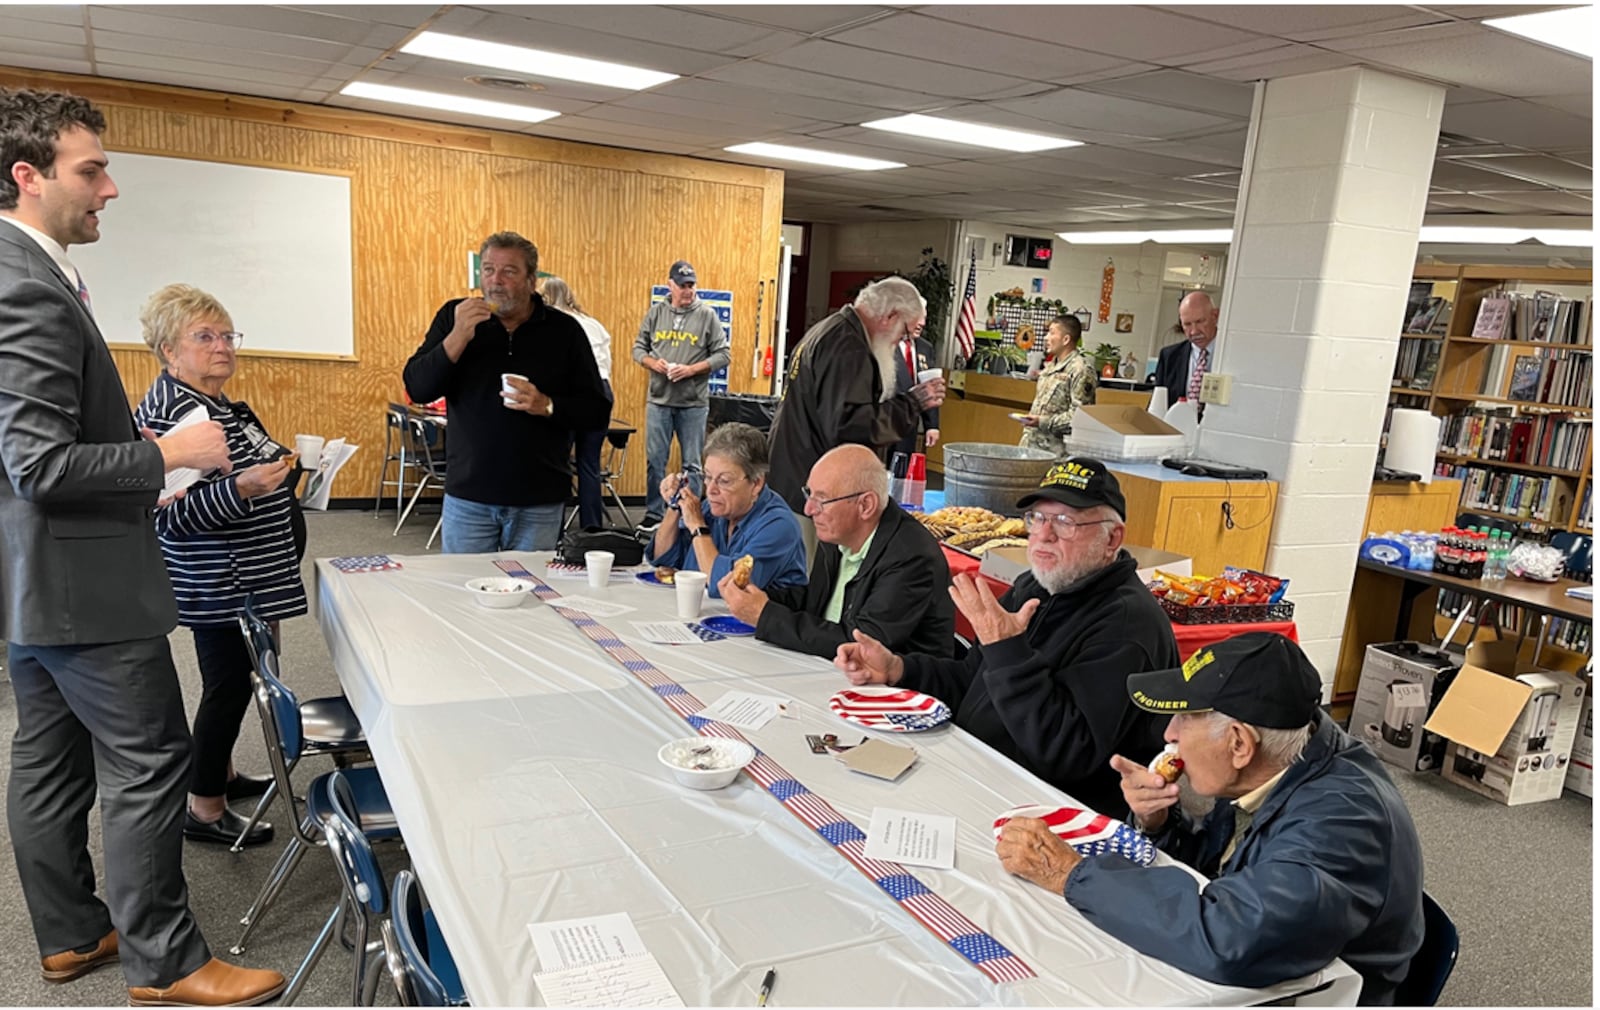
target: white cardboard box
1125 431
1580 773
1401 684
1511 727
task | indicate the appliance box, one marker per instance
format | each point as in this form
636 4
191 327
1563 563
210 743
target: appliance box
1511 726
1580 774
1401 684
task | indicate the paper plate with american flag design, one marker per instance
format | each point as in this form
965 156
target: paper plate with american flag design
1090 833
893 709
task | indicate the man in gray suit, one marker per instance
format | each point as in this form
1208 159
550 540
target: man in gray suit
84 599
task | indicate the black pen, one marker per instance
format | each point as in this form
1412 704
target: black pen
766 986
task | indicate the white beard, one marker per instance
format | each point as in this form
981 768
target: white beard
883 354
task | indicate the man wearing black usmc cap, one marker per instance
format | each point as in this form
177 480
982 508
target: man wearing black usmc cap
1045 685
1310 850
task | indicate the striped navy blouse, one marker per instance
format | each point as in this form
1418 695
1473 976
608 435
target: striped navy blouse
220 548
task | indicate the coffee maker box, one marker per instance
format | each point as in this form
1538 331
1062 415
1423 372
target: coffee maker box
1510 726
1580 773
1401 684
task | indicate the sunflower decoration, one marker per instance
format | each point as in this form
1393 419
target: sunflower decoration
1025 337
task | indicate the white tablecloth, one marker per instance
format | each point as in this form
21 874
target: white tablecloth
521 762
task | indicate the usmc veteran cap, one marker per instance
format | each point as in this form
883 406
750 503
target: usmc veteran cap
1080 482
1260 678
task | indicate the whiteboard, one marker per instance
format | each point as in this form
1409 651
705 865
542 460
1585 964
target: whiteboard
272 245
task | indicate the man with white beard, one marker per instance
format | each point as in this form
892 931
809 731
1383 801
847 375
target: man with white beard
841 389
1046 685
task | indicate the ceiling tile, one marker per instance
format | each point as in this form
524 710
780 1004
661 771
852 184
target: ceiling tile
1519 123
18 30
1182 90
106 43
892 69
1072 109
139 22
929 38
54 64
1551 201
669 108
1279 61
1475 56
202 81
1577 105
762 99
1308 22
63 14
1459 176
1536 168
224 76
564 101
766 75
12 47
663 25
1135 33
271 20
797 17
408 16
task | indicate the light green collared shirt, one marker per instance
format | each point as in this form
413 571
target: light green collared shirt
1244 811
849 564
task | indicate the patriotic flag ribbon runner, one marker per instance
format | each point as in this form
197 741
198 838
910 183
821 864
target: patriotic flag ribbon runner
983 951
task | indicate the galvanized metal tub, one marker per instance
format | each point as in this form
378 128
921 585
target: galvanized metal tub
992 476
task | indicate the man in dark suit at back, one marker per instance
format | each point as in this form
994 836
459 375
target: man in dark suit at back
85 603
1182 364
912 354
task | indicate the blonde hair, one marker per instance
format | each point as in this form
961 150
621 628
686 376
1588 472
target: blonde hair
172 308
558 293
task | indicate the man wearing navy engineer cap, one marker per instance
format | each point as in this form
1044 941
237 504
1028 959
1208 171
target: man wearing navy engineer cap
1310 850
1045 684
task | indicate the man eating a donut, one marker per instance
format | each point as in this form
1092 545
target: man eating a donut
1309 850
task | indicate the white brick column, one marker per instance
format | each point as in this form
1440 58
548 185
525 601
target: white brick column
1326 235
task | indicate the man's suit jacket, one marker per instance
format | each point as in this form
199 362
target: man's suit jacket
1172 370
79 560
905 379
900 596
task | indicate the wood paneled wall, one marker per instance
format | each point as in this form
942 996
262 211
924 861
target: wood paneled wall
607 220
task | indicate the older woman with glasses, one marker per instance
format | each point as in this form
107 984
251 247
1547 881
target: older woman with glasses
747 516
226 538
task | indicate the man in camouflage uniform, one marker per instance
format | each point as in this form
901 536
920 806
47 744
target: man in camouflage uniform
1065 385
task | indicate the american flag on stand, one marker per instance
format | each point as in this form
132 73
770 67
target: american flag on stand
967 322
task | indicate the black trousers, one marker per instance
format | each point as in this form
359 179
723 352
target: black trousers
106 718
224 697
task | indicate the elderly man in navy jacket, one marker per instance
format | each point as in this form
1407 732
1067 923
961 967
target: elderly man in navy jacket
1311 851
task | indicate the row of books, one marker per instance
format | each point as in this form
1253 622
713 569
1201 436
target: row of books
1574 636
1586 506
1417 363
1541 316
1430 315
1519 496
1555 376
1501 435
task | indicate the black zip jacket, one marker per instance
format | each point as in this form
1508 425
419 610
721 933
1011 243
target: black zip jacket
1055 698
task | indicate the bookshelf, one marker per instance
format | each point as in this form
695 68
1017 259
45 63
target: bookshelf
1516 414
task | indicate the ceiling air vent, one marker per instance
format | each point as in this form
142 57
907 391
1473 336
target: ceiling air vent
503 83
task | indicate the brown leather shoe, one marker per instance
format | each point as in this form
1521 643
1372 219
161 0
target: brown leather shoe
215 983
68 965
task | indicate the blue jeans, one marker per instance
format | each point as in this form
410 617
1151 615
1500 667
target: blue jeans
475 528
586 456
660 423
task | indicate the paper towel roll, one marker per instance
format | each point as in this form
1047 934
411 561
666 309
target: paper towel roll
1158 401
1413 442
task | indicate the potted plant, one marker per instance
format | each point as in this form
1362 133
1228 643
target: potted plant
997 359
1106 357
932 281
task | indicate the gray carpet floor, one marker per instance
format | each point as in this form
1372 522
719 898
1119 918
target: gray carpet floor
1517 881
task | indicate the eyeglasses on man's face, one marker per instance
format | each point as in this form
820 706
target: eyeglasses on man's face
1063 525
210 338
811 496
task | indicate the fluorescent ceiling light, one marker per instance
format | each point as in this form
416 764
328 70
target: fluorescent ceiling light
1571 29
533 62
449 103
1505 236
1176 236
783 152
976 134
